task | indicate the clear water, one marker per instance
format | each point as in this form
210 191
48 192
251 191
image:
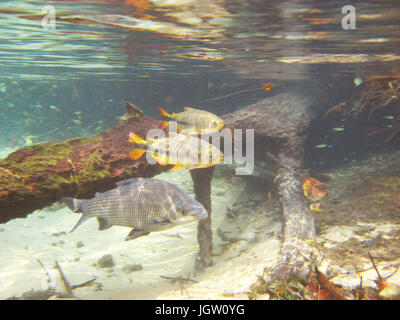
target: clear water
71 81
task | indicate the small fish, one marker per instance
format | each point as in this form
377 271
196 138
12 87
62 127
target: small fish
29 140
177 149
320 146
78 122
357 81
389 117
268 86
145 205
338 129
192 121
54 108
315 207
313 189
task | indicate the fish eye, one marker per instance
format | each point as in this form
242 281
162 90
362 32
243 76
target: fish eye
214 123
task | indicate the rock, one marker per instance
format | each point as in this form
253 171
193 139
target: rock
80 244
128 268
105 261
57 234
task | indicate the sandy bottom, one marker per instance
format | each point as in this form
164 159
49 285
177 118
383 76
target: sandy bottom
358 217
44 235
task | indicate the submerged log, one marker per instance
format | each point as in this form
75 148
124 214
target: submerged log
282 121
36 176
202 189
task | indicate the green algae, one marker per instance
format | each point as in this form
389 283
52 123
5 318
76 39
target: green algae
94 167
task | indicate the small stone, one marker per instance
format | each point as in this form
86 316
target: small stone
106 261
2 229
349 269
80 244
128 268
57 234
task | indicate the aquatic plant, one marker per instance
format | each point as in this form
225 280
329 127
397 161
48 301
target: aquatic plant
380 92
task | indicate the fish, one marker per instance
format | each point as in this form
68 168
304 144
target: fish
179 150
315 207
268 86
193 121
144 204
339 129
313 189
357 81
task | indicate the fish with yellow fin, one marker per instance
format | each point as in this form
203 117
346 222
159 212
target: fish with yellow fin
315 207
179 150
193 121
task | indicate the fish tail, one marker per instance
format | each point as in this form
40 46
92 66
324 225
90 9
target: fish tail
165 114
164 124
74 204
136 153
165 117
84 217
134 138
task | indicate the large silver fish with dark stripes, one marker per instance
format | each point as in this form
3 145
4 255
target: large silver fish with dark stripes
146 205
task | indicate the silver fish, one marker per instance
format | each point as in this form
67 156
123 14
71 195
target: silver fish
144 204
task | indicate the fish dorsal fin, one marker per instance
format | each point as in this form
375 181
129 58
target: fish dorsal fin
128 181
189 109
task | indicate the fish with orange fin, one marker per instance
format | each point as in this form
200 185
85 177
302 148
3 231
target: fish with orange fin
179 150
313 189
193 121
268 86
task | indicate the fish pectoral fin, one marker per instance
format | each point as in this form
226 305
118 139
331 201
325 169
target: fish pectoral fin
177 167
161 223
136 153
103 224
135 233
